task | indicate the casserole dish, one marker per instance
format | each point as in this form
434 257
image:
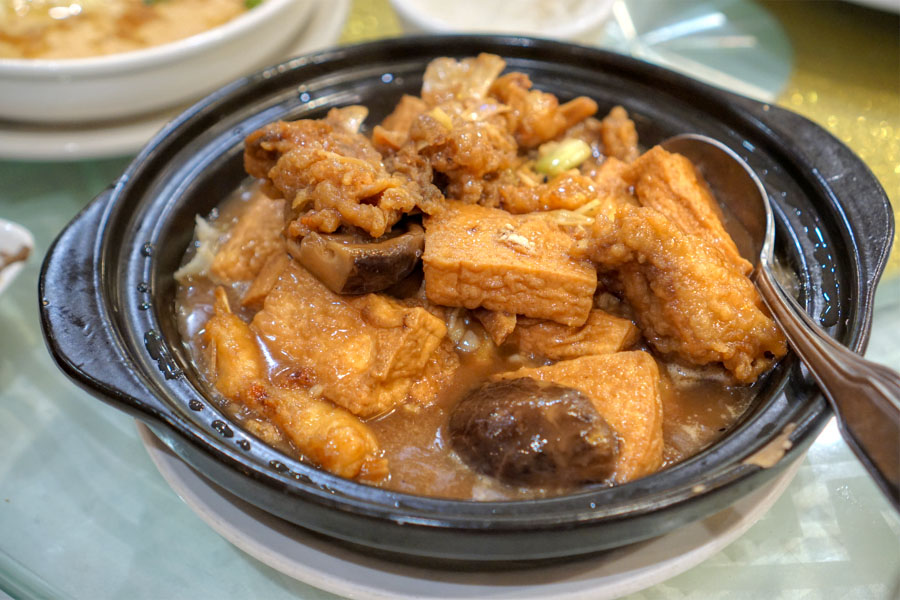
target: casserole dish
107 297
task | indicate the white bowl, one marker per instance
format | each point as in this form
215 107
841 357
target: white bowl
114 86
13 238
558 19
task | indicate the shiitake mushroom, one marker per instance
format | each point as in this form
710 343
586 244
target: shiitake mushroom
354 263
533 433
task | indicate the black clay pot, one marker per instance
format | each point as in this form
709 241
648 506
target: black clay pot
107 295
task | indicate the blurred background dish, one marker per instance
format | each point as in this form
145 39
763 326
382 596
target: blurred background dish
114 86
560 19
733 44
16 244
62 141
736 45
62 29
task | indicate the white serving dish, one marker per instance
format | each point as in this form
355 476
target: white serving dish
329 566
121 137
114 86
549 18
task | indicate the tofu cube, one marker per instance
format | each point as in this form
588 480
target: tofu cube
520 264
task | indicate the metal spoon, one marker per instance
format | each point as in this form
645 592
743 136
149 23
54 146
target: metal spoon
864 395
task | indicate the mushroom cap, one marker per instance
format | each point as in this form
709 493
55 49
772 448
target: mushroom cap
354 263
528 432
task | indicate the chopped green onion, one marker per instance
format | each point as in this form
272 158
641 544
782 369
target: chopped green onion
566 155
248 4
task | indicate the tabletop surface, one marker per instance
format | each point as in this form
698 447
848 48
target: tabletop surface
84 513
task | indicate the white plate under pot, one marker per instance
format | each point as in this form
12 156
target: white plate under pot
332 567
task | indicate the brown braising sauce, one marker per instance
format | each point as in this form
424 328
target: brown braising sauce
697 411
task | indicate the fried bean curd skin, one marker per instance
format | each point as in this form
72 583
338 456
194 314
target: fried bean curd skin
499 325
254 238
438 373
326 434
364 351
393 132
484 257
671 184
624 388
447 79
331 175
688 299
265 280
603 333
468 145
329 435
264 147
477 125
570 190
610 180
620 138
566 191
535 116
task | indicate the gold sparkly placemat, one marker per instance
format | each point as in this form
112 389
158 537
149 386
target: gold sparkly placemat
846 77
370 20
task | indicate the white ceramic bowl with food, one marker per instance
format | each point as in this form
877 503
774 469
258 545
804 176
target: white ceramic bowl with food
557 19
115 86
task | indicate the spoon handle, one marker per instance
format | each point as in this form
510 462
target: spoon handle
865 395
